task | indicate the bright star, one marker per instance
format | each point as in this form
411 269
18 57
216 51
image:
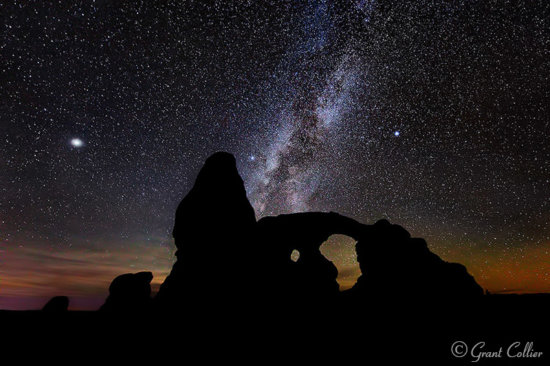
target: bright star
396 133
76 142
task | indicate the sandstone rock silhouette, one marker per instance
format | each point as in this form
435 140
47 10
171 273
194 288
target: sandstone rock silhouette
312 277
226 259
214 233
57 304
395 265
130 292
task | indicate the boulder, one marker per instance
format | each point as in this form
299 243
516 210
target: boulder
130 292
57 304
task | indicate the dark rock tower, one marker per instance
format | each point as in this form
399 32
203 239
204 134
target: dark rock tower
214 234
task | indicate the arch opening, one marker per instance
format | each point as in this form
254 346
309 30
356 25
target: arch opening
295 255
340 249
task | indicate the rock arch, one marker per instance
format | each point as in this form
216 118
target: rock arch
312 276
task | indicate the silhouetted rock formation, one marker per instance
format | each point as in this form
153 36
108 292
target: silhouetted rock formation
395 265
214 234
312 277
130 292
57 304
225 259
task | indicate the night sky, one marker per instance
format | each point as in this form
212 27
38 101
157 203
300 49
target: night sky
432 114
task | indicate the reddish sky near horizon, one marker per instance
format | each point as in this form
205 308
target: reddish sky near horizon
29 276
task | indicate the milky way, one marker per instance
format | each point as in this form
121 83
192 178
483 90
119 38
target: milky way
432 114
302 137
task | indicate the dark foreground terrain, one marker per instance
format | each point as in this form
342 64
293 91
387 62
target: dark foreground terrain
375 333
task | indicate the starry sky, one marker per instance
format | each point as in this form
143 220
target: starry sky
432 114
